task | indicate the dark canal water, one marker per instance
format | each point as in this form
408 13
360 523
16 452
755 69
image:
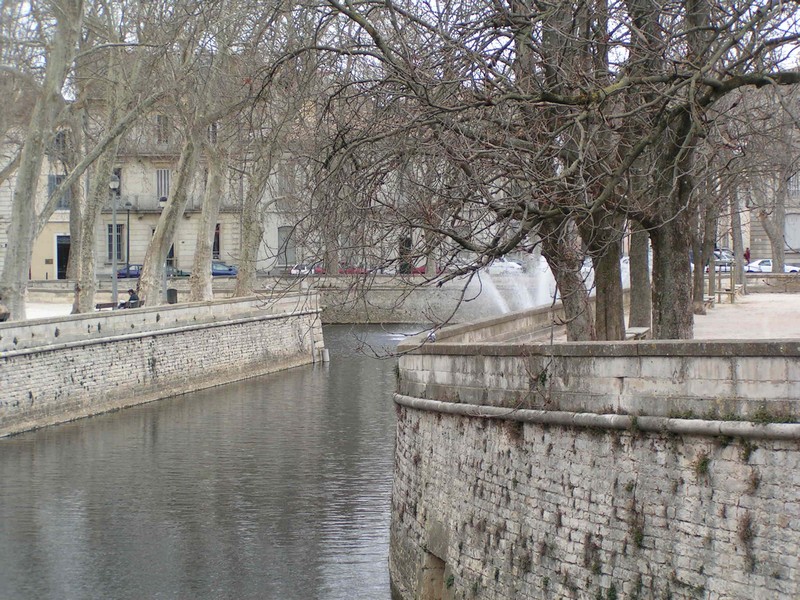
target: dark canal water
275 488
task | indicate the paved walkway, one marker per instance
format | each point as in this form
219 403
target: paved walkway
44 310
754 316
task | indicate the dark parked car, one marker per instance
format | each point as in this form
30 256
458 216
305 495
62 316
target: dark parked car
129 272
134 271
220 269
176 272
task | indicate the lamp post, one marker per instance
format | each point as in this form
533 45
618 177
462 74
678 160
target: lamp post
113 186
162 204
128 207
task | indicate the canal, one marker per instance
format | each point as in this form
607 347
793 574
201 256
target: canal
271 488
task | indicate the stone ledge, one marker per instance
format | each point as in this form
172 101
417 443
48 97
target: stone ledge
691 427
677 348
150 333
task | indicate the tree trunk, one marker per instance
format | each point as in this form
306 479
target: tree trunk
21 231
702 250
77 201
200 281
775 225
609 306
252 227
672 282
601 233
641 293
156 255
98 197
738 242
561 249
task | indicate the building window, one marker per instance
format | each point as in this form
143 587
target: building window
215 247
53 181
162 129
60 145
162 183
114 242
794 186
212 133
287 252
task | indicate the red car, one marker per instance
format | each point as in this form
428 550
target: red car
345 269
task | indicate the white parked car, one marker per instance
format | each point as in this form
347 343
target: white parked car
764 265
300 269
503 266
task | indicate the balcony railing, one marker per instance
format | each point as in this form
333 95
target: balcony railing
150 203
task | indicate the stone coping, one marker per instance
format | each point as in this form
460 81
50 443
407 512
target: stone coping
150 333
163 308
697 427
38 333
705 348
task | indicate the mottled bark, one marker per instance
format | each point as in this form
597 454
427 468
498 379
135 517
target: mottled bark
774 224
76 202
672 282
22 230
641 293
97 198
738 242
561 249
702 251
156 255
601 234
253 210
609 305
200 281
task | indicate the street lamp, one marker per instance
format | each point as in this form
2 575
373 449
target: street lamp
128 207
113 187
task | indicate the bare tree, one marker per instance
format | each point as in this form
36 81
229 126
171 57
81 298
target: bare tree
768 155
576 105
61 33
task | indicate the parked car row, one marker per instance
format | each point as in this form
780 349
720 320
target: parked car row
318 268
218 269
499 266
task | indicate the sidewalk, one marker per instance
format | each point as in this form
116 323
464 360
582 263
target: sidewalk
754 317
44 310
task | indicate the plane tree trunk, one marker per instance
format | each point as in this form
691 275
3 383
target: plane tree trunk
156 255
22 230
561 249
252 226
200 281
641 307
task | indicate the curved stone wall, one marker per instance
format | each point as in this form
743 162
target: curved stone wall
624 470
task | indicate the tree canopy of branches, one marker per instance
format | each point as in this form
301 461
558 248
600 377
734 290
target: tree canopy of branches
554 122
422 130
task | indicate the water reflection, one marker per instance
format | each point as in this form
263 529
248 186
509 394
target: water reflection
276 487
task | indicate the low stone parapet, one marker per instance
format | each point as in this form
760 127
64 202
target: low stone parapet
56 373
641 469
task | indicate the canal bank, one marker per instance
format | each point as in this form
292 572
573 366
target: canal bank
62 368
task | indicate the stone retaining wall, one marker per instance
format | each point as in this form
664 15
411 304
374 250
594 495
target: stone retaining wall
134 356
608 470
